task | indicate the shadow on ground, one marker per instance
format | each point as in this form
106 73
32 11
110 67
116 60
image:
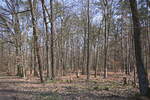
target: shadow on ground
10 91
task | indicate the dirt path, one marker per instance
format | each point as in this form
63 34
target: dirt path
14 88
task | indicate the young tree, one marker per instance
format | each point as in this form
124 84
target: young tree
88 36
52 44
105 43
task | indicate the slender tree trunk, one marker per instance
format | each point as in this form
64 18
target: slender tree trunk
122 49
47 38
105 50
142 75
36 41
96 58
88 36
52 44
35 61
84 51
31 61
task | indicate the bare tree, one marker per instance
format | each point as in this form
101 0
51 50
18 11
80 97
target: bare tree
47 37
36 46
52 44
88 39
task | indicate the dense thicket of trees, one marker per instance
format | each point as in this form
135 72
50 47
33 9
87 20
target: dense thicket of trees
51 38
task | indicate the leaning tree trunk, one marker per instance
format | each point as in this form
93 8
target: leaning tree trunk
47 38
36 41
142 75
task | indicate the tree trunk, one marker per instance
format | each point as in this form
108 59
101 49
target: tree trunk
95 62
47 38
52 32
142 75
105 43
36 41
88 35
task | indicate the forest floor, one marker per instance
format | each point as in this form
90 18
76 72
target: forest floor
67 88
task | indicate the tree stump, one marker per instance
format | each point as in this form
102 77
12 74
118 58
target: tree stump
124 80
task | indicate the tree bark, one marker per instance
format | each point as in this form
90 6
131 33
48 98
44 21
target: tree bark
88 35
47 38
105 42
142 75
36 41
52 44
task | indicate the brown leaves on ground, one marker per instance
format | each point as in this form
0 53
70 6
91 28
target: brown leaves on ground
66 88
